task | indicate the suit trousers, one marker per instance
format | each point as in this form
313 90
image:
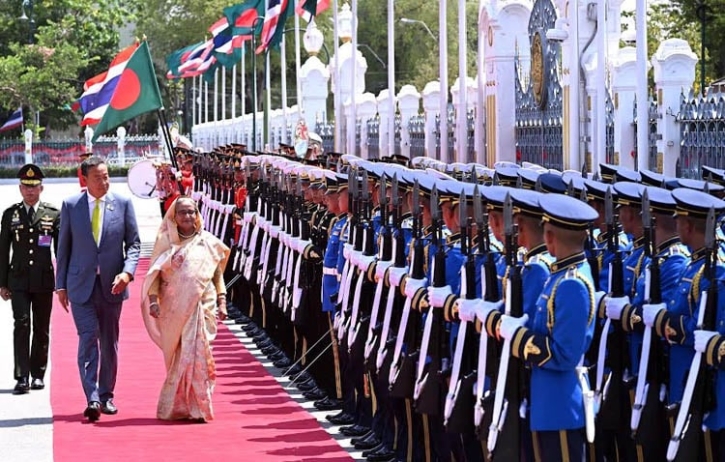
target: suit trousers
97 322
31 358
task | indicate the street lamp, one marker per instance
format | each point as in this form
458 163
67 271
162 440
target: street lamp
27 15
418 21
367 47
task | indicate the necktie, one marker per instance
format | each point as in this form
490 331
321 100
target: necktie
31 215
96 221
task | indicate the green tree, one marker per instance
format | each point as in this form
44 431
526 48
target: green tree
83 36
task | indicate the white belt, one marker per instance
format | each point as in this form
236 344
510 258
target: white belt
329 271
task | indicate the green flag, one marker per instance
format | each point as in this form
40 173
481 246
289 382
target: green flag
243 16
177 58
137 92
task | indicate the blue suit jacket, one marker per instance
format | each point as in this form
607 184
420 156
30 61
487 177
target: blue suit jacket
78 256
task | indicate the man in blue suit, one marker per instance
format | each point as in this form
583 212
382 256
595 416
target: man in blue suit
98 249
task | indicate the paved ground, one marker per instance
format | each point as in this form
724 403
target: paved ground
26 429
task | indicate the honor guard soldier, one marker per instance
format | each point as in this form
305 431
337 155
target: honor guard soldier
555 339
29 228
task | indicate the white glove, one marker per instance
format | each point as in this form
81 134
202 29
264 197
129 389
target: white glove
702 338
467 309
484 308
615 306
381 268
302 245
273 231
364 261
346 249
293 243
510 324
248 216
263 224
437 295
229 208
395 275
355 257
650 313
412 286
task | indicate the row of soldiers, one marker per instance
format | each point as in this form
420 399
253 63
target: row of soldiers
459 312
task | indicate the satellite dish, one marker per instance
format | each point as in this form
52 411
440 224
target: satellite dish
141 179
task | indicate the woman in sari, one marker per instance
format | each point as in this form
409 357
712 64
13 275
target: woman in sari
182 294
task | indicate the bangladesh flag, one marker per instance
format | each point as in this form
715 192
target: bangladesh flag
137 92
246 18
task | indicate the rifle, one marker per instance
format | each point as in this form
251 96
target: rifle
401 378
427 385
649 377
487 346
508 392
590 245
385 254
458 410
619 339
697 399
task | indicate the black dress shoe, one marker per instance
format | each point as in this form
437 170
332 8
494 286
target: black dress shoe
282 363
384 455
315 394
93 411
259 338
266 343
355 430
22 387
373 450
293 370
269 350
306 386
300 377
109 408
250 326
37 384
370 445
279 354
342 418
365 437
328 404
244 320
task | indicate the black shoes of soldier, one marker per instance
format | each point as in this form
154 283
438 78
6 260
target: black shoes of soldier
22 387
355 430
315 394
37 384
328 404
341 418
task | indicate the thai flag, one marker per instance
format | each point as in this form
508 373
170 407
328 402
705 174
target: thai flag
98 90
219 26
304 11
15 120
271 22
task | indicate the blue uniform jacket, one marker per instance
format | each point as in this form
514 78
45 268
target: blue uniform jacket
330 281
554 341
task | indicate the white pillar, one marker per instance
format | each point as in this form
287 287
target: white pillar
642 85
431 106
624 86
443 63
674 68
315 83
384 106
121 145
366 109
408 106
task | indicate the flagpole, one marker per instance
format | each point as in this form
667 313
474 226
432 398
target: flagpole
336 94
267 98
391 76
443 55
193 101
234 91
298 64
216 94
201 98
206 101
283 71
352 128
243 89
462 155
223 72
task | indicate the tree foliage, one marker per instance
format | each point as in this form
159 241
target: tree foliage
72 41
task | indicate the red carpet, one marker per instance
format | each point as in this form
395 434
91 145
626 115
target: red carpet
254 417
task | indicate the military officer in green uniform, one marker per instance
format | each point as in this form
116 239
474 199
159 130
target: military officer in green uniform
27 279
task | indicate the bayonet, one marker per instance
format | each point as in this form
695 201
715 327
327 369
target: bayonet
463 221
647 224
477 208
710 227
570 191
435 211
583 196
508 222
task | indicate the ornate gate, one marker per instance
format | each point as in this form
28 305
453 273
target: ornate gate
539 107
